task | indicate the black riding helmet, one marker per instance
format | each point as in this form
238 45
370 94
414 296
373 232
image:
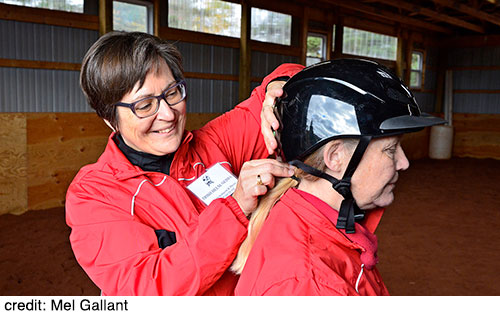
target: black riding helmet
344 98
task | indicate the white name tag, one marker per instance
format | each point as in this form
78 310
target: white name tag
216 182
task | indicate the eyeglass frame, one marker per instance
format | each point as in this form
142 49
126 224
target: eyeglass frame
158 97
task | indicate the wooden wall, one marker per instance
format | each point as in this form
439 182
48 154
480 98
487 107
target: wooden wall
40 153
13 164
476 135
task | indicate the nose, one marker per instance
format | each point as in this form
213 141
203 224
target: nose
165 112
402 162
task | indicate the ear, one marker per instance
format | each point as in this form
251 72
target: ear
333 156
109 125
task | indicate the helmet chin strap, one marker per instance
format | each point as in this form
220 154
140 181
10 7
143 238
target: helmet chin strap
349 211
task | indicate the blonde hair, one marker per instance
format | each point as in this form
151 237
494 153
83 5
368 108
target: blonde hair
267 203
271 198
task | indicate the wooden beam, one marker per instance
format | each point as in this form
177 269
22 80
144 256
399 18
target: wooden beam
476 91
400 55
175 34
156 17
276 48
36 64
48 17
469 10
245 52
211 76
339 38
473 41
329 36
387 15
105 16
304 29
433 14
408 52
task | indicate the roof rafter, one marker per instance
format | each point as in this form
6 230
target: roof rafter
433 14
469 10
356 6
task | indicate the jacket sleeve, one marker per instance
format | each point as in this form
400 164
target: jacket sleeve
308 287
122 257
238 132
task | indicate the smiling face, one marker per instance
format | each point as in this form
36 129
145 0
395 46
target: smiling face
375 177
161 133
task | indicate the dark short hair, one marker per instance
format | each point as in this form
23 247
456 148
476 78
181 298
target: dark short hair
117 61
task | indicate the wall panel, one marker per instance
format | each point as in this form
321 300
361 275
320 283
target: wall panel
476 69
22 40
264 63
40 90
476 135
13 164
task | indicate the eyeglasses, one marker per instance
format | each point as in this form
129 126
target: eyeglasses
150 105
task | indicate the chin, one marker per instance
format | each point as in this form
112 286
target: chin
386 201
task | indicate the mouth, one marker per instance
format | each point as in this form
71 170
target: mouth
167 130
393 182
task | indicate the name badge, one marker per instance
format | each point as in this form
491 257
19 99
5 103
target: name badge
216 182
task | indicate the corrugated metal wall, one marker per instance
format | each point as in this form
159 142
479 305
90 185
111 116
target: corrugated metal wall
263 63
210 96
39 90
221 95
478 103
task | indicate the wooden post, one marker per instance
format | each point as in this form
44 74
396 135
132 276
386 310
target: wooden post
303 35
408 53
105 16
329 36
442 65
339 37
401 54
156 18
245 52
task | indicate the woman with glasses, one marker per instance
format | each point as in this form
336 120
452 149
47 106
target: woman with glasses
164 210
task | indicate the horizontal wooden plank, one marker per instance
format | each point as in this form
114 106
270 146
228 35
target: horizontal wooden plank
37 64
476 135
275 48
49 17
472 41
476 91
199 38
467 68
211 76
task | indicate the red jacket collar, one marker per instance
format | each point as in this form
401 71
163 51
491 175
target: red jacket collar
122 168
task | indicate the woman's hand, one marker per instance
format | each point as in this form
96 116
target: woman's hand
256 177
269 122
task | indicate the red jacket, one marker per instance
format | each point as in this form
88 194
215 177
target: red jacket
114 208
300 252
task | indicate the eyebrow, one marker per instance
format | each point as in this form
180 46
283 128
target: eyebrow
142 96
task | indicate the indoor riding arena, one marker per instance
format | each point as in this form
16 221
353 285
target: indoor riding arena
438 238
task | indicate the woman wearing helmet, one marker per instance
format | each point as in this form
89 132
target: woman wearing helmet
341 126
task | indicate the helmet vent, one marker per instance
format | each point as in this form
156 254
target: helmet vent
397 96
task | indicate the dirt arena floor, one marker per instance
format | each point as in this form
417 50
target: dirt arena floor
440 237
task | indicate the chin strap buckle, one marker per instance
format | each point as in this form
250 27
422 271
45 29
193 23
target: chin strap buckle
343 187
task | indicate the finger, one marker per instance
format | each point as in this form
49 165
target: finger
267 179
259 190
274 167
268 111
269 140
